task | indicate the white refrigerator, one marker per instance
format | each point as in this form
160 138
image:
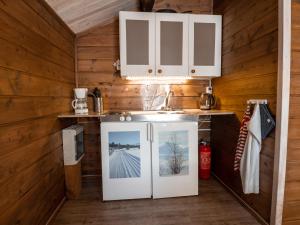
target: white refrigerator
144 160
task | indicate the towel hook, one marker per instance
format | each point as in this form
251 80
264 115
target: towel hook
257 101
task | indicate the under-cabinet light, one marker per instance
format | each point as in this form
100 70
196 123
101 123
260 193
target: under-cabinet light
158 80
165 78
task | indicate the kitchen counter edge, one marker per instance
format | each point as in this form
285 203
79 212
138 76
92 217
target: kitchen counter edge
188 111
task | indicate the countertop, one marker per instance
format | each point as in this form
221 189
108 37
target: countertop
89 115
213 112
197 112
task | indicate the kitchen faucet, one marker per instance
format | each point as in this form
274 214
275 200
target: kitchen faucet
167 101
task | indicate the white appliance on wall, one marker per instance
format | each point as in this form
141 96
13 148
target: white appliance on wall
73 146
143 159
170 44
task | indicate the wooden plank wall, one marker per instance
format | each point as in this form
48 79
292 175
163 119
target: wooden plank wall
291 211
81 15
36 77
249 70
97 50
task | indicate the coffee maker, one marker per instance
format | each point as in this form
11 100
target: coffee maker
79 103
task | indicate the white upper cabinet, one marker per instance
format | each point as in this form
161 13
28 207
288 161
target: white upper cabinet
205 40
137 41
171 44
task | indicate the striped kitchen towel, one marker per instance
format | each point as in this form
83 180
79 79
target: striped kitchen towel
242 138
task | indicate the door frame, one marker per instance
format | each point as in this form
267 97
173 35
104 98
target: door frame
282 111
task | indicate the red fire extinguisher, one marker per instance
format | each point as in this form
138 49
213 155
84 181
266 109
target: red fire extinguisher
204 161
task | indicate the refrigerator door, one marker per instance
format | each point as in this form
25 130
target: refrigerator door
126 160
174 159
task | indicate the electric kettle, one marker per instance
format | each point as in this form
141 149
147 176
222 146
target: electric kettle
207 100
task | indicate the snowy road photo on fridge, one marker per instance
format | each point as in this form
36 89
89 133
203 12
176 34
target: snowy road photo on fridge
124 154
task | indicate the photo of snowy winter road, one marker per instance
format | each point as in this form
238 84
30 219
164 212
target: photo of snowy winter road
124 154
124 164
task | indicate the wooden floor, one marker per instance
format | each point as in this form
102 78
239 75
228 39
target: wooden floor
213 206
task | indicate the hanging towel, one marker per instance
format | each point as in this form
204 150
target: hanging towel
267 121
242 138
249 168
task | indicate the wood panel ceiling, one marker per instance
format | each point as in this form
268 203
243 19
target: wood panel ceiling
81 15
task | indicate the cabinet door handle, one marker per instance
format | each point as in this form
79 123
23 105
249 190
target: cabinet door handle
150 71
159 71
147 131
193 71
151 132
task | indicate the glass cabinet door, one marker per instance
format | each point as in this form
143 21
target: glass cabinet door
174 159
137 41
126 160
79 145
171 44
205 45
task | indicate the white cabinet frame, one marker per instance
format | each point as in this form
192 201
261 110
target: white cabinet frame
154 67
206 71
137 70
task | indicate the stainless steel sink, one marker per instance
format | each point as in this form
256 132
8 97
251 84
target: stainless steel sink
171 112
151 112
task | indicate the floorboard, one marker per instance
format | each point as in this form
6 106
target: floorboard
213 206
